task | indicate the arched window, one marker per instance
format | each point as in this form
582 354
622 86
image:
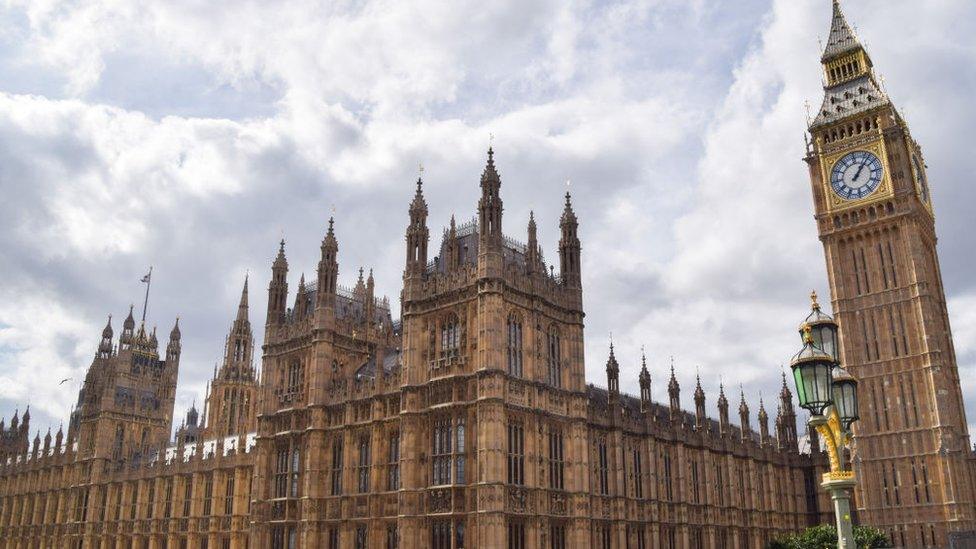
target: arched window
450 336
119 437
515 345
555 364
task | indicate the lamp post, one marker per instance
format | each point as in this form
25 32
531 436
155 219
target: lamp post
829 393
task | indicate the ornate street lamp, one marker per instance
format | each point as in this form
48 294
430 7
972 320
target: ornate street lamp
829 393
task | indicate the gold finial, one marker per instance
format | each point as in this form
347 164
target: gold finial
420 170
491 140
813 300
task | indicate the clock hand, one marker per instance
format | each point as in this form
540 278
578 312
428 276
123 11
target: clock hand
858 173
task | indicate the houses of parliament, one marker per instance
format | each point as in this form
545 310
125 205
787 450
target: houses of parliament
467 422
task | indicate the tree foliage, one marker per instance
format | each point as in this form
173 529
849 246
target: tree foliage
825 537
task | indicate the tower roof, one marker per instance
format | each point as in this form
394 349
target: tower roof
841 39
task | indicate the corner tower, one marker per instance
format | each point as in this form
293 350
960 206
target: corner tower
875 219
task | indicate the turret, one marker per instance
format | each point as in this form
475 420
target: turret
418 235
723 411
613 377
105 345
490 207
278 289
744 416
58 439
47 442
645 385
569 246
328 270
700 417
674 394
128 326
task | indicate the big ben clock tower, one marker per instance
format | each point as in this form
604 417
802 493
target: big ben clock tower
875 219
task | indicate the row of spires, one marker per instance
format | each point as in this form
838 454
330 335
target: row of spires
137 339
786 415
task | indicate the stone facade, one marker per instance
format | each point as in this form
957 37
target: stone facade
916 470
467 423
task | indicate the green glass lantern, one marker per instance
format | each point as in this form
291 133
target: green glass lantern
845 397
813 374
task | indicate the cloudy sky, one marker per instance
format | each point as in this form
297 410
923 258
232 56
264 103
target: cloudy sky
192 135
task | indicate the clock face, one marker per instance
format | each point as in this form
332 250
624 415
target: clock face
923 185
856 175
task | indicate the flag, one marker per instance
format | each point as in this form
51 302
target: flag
146 278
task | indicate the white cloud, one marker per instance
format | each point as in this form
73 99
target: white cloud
250 119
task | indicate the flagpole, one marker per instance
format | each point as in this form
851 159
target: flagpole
145 303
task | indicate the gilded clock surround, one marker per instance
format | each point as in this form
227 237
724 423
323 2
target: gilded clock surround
874 145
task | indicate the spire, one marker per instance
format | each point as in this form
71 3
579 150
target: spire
613 375
744 416
417 233
173 347
175 334
723 410
105 346
841 39
674 393
763 423
533 259
569 246
328 269
699 404
645 383
242 306
278 288
490 207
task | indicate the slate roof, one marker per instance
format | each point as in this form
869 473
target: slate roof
841 39
853 97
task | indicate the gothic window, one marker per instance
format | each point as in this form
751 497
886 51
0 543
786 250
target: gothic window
719 485
442 531
666 475
117 446
360 537
168 499
603 474
208 495
362 469
516 534
604 536
392 539
336 472
134 501
295 379
287 472
515 345
450 336
516 453
896 483
638 474
229 496
884 486
151 500
695 491
556 459
447 454
393 466
555 366
187 495
557 533
641 538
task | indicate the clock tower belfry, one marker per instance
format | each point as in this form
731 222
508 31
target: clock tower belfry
875 220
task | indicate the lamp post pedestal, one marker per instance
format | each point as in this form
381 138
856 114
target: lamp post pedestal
839 486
